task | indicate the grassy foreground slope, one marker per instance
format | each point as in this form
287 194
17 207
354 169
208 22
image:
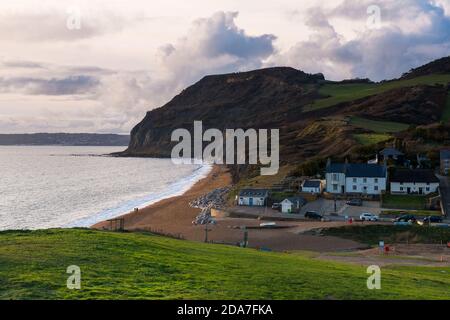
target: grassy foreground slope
136 266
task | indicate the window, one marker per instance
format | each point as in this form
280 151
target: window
335 187
354 187
401 188
375 188
335 176
354 180
376 180
427 188
365 180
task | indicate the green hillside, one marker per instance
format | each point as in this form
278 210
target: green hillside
378 126
446 113
135 266
343 92
367 139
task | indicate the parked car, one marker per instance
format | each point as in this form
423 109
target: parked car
367 216
406 218
313 215
355 202
431 219
276 206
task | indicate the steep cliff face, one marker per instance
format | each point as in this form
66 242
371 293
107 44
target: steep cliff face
282 98
264 98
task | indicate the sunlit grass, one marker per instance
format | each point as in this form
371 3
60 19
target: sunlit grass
142 266
352 91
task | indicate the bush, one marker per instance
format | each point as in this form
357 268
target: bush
309 168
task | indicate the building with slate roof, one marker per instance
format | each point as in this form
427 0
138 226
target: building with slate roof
355 178
312 186
253 197
292 204
419 181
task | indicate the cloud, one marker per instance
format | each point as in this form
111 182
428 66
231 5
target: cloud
94 99
411 33
22 64
214 45
71 85
64 24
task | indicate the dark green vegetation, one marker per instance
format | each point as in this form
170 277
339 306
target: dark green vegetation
378 126
142 266
372 234
446 113
410 202
367 139
338 92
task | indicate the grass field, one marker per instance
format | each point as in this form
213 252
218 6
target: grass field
141 266
446 113
372 234
378 126
410 202
348 92
366 139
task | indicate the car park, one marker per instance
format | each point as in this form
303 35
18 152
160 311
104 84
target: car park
406 218
355 202
431 219
313 215
366 216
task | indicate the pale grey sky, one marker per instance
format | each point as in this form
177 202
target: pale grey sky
128 57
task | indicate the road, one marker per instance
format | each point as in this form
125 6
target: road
325 207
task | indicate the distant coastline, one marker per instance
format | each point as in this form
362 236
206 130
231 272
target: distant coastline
64 139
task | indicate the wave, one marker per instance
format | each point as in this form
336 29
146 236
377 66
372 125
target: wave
173 190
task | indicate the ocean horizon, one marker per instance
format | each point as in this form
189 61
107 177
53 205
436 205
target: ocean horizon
62 187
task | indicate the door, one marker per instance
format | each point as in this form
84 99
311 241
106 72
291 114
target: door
409 190
250 201
420 190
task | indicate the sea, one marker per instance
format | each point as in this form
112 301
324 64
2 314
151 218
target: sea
60 186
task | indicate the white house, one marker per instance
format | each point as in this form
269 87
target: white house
419 181
312 186
291 205
356 178
253 197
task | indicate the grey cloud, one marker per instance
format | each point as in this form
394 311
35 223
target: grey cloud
71 85
215 45
220 35
52 26
378 54
22 64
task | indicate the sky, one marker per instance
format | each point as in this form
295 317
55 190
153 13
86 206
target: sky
100 65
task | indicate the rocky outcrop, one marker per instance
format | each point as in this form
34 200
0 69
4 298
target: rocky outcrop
267 98
214 199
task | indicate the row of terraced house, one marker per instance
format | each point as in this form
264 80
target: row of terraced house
372 179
